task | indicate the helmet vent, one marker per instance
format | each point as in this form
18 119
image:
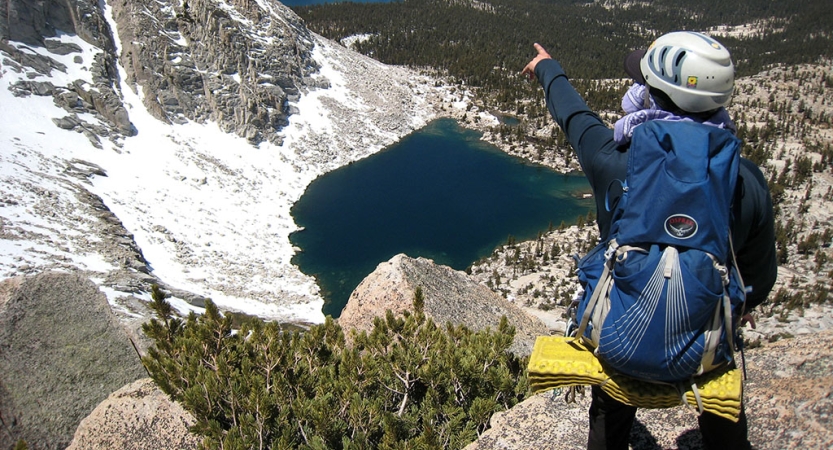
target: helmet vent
692 69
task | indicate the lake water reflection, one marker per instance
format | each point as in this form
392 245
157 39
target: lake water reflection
440 193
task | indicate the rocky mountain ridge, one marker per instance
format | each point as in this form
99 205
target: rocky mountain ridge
41 25
87 177
239 64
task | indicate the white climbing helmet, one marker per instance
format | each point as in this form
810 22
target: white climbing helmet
693 69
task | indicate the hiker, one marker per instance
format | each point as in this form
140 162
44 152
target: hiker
703 87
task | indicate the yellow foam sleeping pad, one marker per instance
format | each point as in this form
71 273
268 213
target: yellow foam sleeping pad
559 361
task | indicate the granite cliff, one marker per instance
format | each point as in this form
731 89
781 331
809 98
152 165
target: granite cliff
122 118
238 64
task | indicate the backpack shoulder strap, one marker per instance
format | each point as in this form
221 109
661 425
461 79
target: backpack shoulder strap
601 290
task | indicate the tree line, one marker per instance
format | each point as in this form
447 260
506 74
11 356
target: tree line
486 46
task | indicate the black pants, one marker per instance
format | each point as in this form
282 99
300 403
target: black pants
611 421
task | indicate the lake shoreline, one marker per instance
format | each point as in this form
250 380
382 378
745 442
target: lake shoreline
439 193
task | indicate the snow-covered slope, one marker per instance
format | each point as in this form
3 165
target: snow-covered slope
208 210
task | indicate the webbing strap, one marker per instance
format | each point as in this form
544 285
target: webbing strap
699 399
672 259
737 272
603 286
712 340
724 309
727 320
742 307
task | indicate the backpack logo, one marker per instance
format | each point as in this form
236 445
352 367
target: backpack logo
680 226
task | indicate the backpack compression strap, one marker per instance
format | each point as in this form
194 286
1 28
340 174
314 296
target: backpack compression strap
602 289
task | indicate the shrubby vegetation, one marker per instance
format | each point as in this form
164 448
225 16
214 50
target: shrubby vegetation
407 384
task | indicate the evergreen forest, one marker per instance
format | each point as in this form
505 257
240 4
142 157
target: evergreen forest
485 44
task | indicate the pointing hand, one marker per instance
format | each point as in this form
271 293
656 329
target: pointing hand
530 68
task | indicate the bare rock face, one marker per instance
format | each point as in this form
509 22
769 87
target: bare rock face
33 22
450 296
62 352
40 24
238 63
239 66
138 416
788 399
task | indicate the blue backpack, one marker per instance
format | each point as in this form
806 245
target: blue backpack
662 295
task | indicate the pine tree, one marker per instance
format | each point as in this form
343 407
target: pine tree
406 383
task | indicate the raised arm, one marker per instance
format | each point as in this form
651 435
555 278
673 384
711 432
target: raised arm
584 129
600 158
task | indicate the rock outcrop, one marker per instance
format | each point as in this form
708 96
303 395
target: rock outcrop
41 24
138 416
449 296
788 397
240 67
108 70
62 352
35 23
195 61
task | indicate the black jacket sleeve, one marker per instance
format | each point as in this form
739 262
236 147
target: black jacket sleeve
601 159
754 235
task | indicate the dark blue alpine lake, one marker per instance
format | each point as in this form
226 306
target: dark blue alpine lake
440 193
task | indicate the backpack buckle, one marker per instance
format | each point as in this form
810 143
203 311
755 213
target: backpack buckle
723 271
611 249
